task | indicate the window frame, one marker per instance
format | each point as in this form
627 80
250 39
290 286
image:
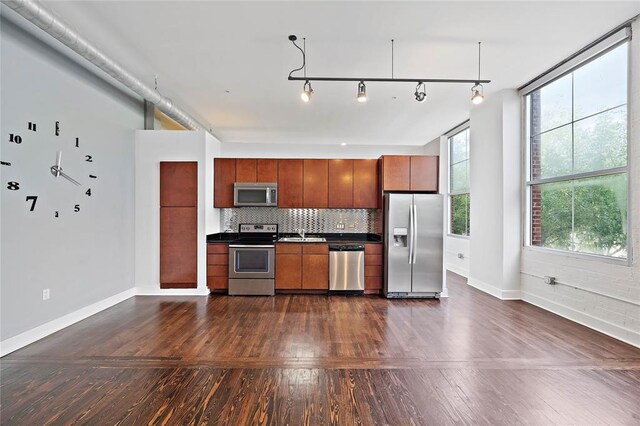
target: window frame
462 127
595 50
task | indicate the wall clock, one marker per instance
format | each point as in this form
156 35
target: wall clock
47 170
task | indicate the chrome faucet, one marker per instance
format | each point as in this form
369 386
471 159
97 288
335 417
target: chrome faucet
301 232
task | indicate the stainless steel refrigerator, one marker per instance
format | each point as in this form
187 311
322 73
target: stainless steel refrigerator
413 226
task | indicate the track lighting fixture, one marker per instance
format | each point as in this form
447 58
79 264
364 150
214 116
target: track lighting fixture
477 91
362 92
306 92
476 94
420 92
420 95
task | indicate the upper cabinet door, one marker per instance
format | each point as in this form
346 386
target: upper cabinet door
365 184
290 181
316 185
341 184
267 170
178 184
396 173
424 173
224 172
246 170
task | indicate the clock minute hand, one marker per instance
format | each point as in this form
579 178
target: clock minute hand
57 171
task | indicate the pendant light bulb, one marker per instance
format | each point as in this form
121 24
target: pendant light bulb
477 95
362 92
307 91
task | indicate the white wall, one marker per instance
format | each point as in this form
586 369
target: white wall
84 258
152 147
609 297
303 150
495 174
432 148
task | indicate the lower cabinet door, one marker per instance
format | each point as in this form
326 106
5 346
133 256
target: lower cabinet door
288 271
315 272
178 247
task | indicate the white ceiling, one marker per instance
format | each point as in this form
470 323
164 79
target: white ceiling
201 50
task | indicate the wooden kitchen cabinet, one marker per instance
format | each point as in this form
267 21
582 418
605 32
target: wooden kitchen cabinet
365 184
178 224
224 175
409 173
424 173
288 266
373 268
290 183
267 170
178 184
246 170
302 266
178 247
315 267
316 186
218 266
341 175
396 173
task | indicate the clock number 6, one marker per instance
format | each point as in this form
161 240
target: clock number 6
33 200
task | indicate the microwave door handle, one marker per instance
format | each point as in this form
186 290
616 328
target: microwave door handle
268 195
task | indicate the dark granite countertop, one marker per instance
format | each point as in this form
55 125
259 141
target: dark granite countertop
338 238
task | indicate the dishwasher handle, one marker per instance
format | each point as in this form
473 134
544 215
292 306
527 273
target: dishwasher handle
345 247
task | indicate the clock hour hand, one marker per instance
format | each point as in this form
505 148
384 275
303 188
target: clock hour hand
57 171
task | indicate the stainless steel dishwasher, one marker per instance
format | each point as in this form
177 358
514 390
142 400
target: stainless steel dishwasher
346 269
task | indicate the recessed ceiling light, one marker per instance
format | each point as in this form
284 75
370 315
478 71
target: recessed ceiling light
343 144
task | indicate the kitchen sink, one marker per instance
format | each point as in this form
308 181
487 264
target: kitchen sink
302 240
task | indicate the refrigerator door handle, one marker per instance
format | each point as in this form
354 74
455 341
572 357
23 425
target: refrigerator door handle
415 233
410 236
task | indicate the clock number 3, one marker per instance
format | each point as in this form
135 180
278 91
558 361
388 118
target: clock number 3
33 200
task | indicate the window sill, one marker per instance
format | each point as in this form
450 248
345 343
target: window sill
464 237
579 256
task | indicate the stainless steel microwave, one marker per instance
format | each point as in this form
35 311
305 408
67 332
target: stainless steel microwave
255 194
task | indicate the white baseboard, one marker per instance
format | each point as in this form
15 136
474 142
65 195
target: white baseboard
156 291
494 291
626 335
459 271
23 339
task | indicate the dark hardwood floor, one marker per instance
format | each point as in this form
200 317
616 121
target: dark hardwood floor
316 360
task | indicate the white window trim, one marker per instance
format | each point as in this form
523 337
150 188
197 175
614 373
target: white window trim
456 130
586 55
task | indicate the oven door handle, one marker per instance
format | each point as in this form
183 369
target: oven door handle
251 246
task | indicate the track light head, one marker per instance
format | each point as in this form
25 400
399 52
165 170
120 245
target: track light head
307 91
362 92
420 93
477 94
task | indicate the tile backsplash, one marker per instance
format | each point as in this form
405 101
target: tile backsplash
312 220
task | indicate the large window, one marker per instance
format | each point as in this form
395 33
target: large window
459 183
577 135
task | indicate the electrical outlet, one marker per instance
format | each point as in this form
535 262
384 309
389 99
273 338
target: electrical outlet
549 280
340 225
460 255
46 294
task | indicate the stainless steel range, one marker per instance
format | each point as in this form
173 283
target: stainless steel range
252 260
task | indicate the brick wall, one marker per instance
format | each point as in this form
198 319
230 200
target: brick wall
535 169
